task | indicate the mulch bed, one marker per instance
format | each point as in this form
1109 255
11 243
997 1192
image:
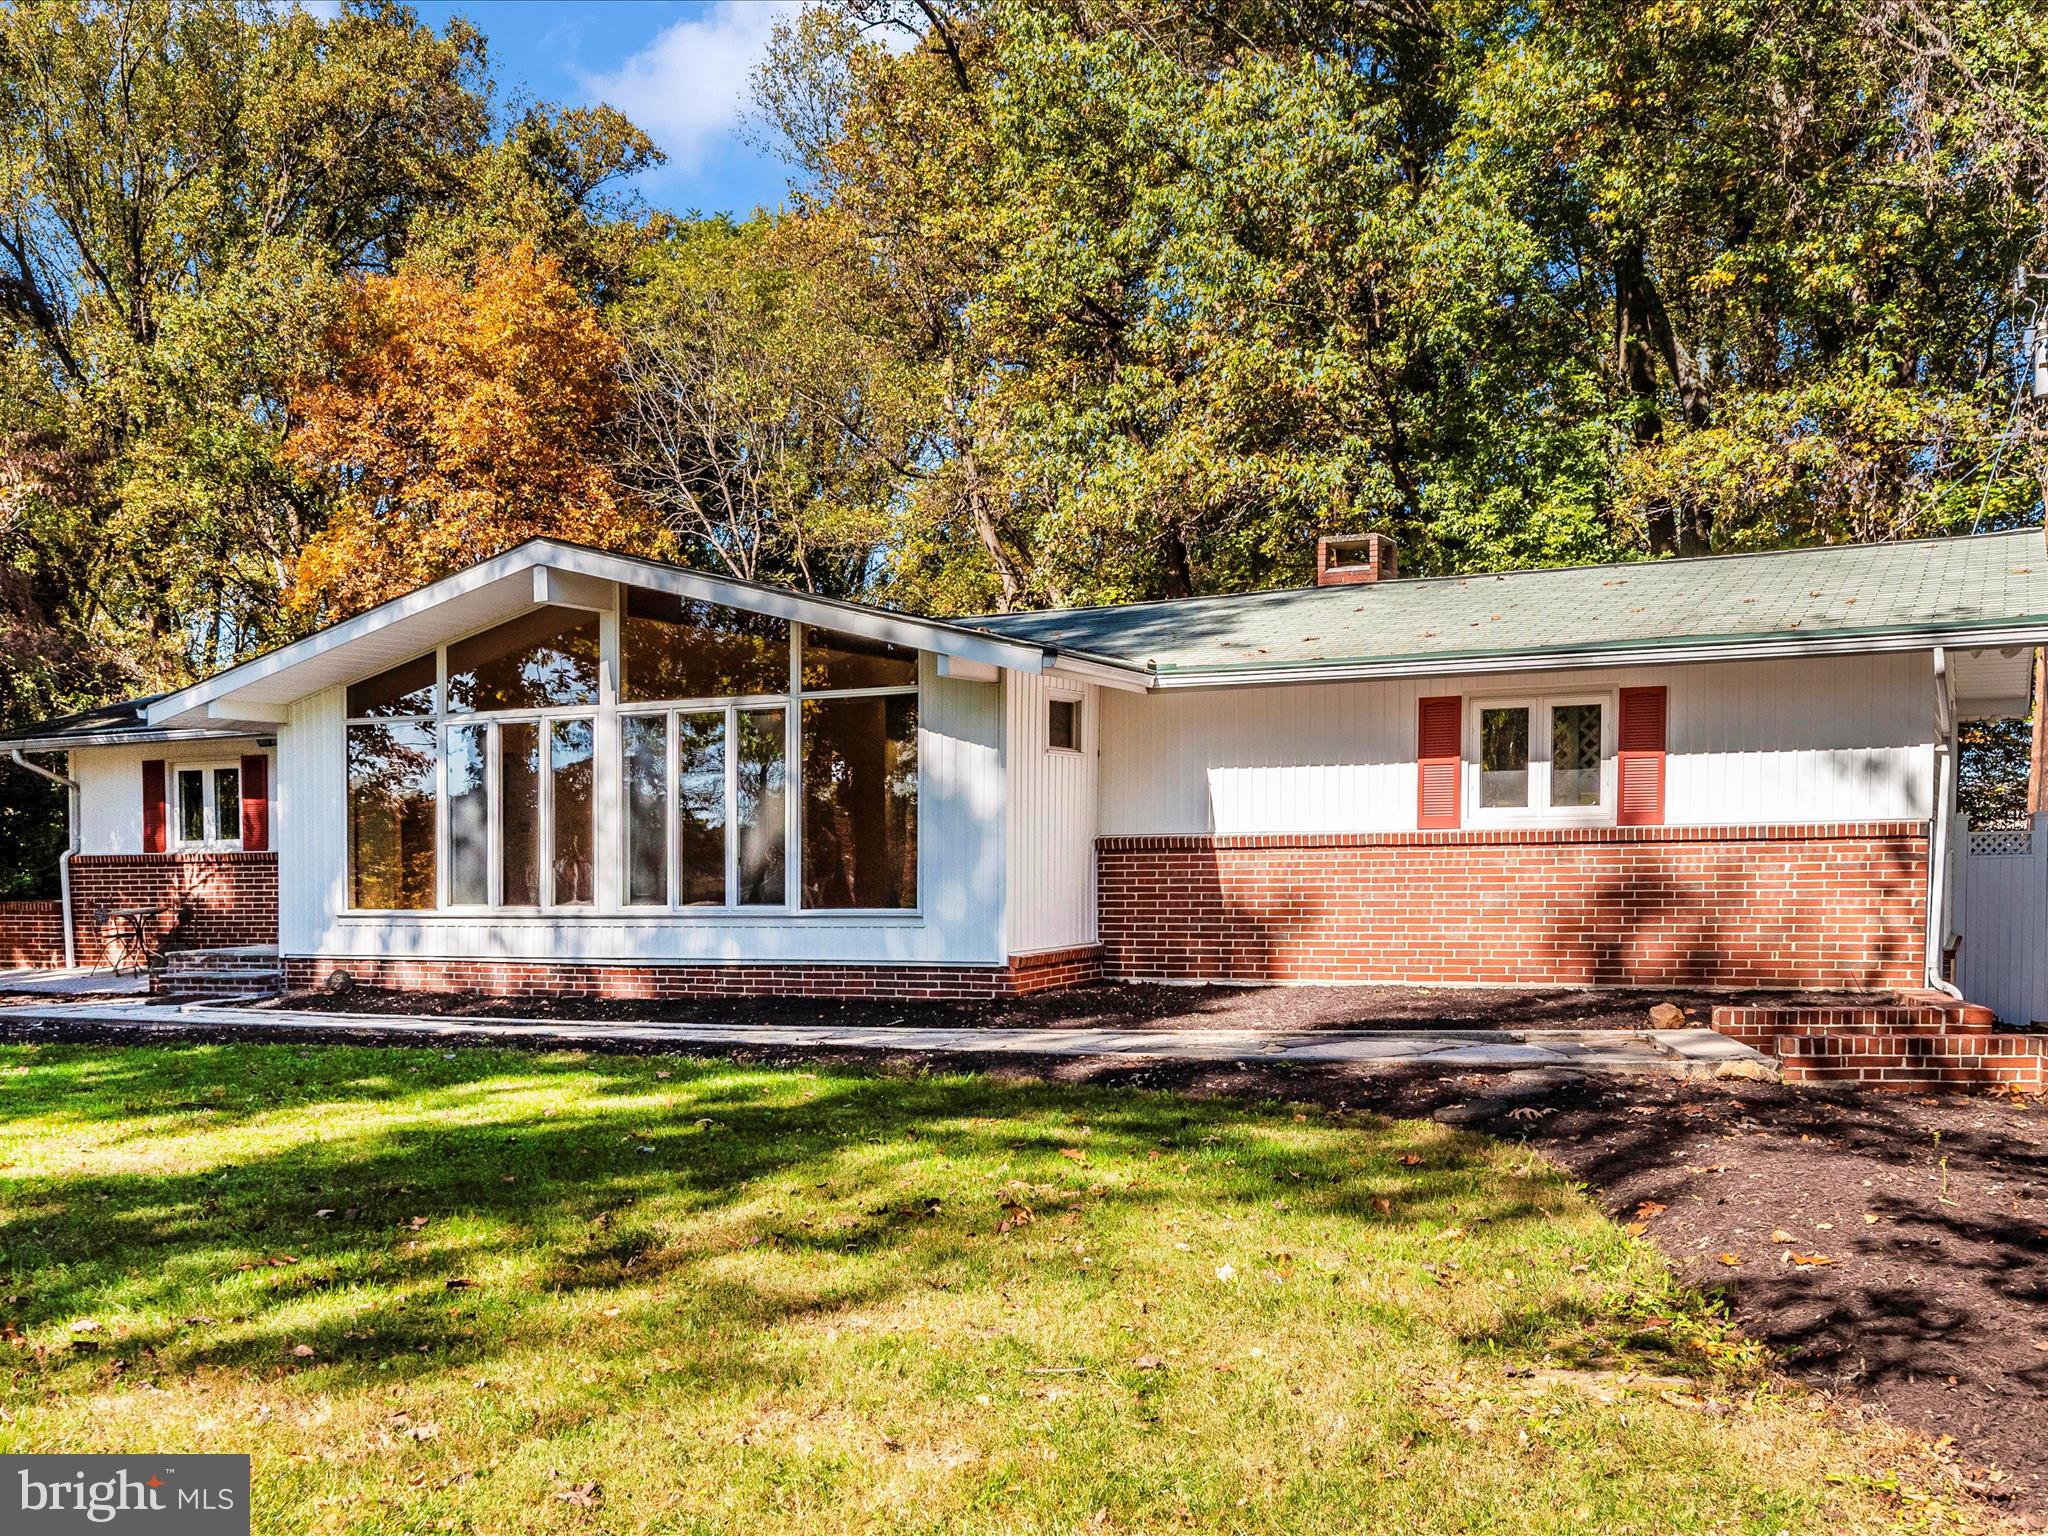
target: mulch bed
1280 1009
1935 1312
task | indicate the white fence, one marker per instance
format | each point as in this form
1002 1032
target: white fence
2001 911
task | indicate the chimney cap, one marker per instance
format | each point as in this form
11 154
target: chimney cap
1348 559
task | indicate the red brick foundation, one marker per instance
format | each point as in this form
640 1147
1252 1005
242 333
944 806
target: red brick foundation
663 983
1834 906
203 900
31 934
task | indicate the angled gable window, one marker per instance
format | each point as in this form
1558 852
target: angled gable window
681 648
546 659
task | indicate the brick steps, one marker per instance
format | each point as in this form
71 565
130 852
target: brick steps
236 974
1924 1041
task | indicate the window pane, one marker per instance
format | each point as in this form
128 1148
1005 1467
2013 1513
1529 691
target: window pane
833 660
541 660
571 757
759 808
643 749
391 817
860 801
191 805
469 816
679 648
519 812
404 690
1575 754
700 803
1504 757
227 804
1062 724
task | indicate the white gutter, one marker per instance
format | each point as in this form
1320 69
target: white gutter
1944 826
63 859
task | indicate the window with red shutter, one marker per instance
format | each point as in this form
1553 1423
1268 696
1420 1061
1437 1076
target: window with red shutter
1640 754
1437 747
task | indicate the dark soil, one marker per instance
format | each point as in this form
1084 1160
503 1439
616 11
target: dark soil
1935 1312
1279 1009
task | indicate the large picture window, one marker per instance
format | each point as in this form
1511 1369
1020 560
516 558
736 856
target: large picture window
739 762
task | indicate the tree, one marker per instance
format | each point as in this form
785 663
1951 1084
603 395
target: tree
182 185
453 422
770 419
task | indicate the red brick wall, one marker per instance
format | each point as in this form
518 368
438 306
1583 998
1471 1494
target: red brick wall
205 900
31 934
1824 906
514 979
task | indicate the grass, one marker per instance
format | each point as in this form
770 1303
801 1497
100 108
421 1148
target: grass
452 1292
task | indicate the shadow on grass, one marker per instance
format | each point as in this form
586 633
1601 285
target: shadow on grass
347 1199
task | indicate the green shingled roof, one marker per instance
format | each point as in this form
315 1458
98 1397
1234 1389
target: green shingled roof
1937 587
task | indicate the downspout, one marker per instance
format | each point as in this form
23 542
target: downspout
64 858
1943 830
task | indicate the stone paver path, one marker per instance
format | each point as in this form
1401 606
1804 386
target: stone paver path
1676 1052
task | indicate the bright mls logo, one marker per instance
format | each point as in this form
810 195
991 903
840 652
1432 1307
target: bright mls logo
160 1495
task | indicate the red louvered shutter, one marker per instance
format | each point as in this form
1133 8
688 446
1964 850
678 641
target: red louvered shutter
1438 737
256 802
156 826
1641 757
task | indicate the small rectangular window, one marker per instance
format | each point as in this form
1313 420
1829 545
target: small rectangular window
1575 754
1504 758
1063 725
227 806
191 805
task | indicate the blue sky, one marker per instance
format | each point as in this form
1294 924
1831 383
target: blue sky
678 68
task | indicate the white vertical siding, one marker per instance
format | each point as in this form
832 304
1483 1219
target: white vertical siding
961 863
1797 740
110 787
1053 817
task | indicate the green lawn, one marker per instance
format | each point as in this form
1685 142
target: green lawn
449 1292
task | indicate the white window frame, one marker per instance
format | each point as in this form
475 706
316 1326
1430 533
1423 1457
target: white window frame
1539 812
213 842
1079 701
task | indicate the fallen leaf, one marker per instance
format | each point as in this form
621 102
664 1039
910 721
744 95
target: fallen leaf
1648 1210
1636 1228
1782 1236
1226 1272
418 1223
1871 1218
303 1351
582 1495
1074 1152
1410 1160
1811 1259
1732 1260
458 1283
1450 1234
1148 1363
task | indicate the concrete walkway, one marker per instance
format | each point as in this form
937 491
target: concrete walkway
81 981
1677 1052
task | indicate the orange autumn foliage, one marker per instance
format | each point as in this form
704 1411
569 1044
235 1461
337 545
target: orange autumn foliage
457 422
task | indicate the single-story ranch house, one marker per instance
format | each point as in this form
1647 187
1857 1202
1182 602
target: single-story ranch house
570 771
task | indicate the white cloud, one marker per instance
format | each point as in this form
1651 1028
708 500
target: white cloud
688 86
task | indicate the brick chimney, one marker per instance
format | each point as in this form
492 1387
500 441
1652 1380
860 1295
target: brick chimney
1346 559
